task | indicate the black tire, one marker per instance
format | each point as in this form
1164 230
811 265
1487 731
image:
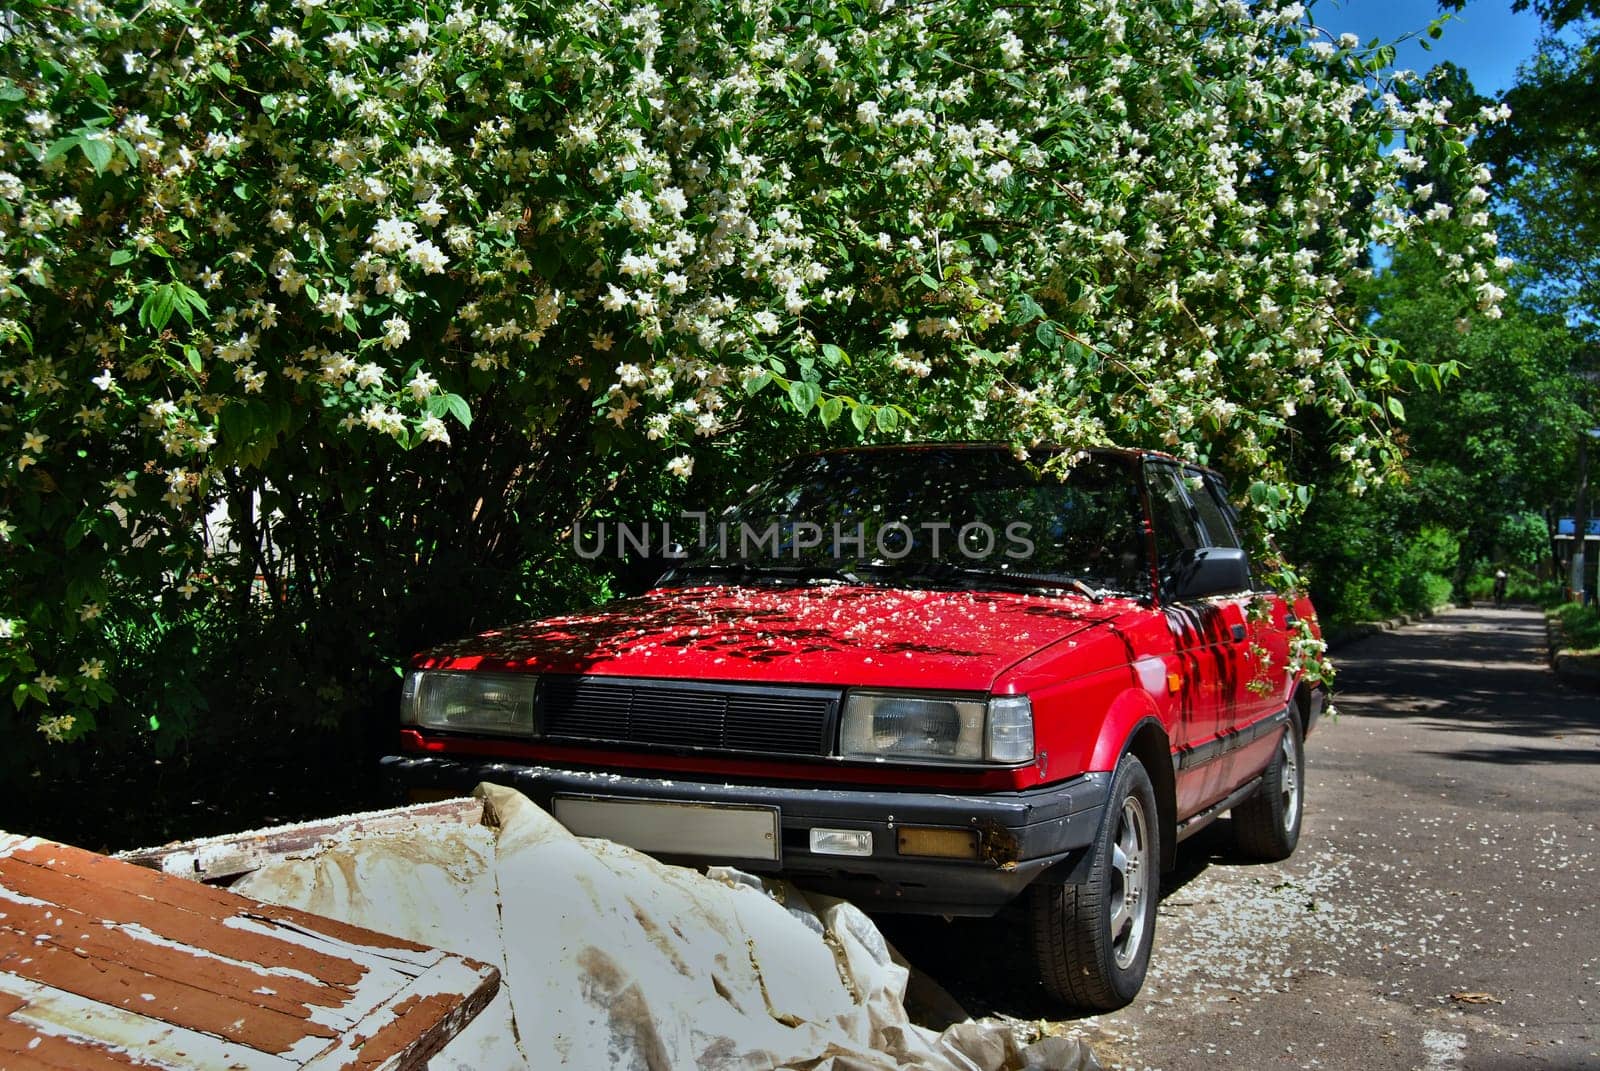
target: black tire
1267 825
1091 947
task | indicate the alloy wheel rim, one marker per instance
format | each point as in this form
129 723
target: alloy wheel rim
1289 780
1130 882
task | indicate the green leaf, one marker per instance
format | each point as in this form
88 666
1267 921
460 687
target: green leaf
861 417
98 153
457 407
60 147
830 411
313 295
220 72
833 354
1396 409
157 307
991 246
193 356
755 383
120 257
1046 334
887 418
121 305
804 395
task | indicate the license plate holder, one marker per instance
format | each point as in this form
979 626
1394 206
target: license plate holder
669 827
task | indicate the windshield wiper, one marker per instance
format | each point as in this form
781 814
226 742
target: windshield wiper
1031 581
745 572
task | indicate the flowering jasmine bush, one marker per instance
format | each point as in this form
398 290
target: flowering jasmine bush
359 270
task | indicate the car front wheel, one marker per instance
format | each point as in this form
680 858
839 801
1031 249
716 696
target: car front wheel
1267 825
1091 941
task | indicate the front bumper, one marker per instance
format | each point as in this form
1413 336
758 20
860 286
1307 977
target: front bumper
1021 835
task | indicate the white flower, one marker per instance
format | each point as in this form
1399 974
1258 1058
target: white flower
92 668
104 380
284 38
392 236
335 304
422 385
395 332
681 466
428 257
9 629
433 431
369 375
341 44
344 87
431 211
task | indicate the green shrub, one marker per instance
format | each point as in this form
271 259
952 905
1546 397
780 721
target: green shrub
402 288
1580 626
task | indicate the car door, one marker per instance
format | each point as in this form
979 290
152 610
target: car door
1208 633
1263 682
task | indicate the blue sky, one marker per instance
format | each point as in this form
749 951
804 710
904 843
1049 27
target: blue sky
1486 38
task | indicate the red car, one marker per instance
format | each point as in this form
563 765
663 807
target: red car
928 678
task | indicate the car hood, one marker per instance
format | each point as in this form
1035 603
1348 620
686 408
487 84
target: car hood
828 634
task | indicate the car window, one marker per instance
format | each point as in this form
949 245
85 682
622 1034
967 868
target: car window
1173 519
1213 508
946 515
1176 526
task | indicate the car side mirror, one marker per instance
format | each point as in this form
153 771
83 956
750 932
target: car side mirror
1210 571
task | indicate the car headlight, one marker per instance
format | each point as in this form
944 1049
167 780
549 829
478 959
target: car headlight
884 725
500 703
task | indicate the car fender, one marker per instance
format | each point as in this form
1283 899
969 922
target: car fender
1127 714
1132 716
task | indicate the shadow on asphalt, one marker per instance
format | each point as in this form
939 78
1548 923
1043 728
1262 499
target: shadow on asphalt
1518 756
1468 676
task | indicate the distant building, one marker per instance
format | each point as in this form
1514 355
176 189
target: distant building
1562 543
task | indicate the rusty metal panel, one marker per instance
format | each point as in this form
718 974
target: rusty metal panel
107 964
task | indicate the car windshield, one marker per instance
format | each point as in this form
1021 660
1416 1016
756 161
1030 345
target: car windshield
936 517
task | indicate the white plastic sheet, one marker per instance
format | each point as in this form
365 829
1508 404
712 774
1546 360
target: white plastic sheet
610 959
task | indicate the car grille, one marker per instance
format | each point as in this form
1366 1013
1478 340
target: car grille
752 719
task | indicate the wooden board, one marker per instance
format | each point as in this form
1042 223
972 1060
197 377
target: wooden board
104 964
220 858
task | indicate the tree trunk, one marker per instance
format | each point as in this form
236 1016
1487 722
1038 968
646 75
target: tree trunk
1580 521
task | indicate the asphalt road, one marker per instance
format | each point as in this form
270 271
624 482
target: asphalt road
1441 911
